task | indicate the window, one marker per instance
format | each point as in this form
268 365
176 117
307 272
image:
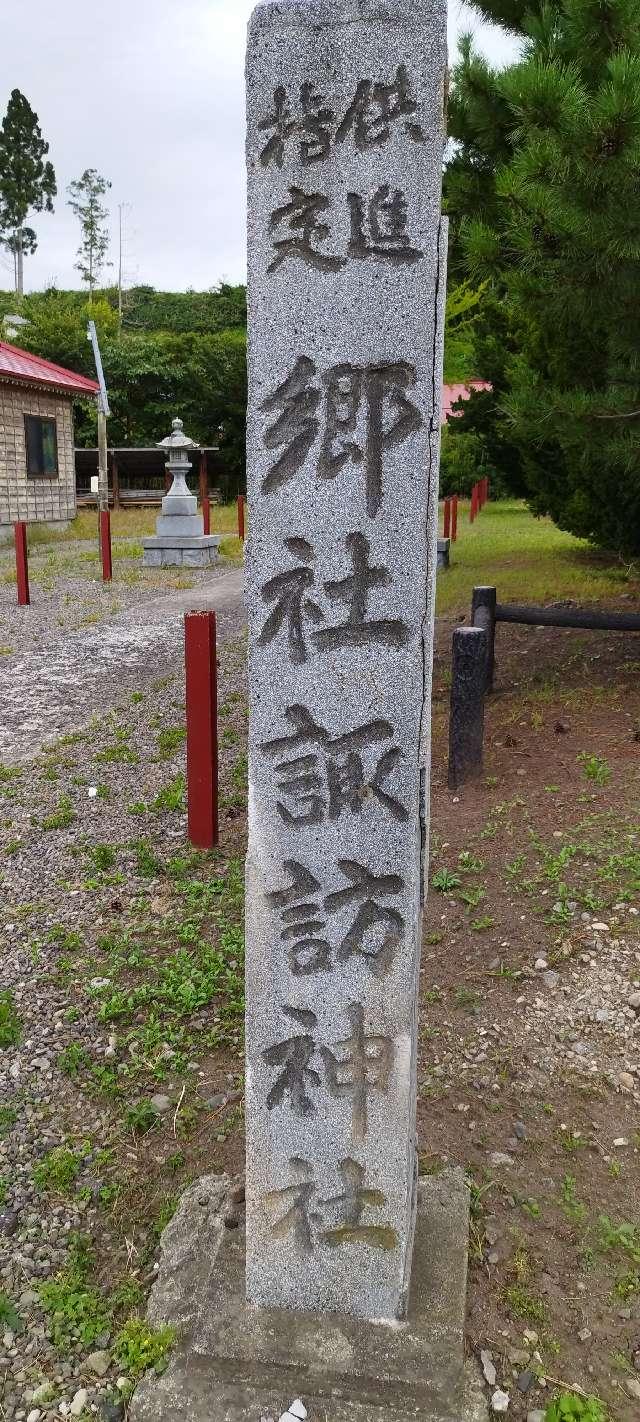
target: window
42 447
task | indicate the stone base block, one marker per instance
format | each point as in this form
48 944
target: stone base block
180 526
181 551
233 1363
444 549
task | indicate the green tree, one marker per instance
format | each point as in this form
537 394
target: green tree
85 201
27 181
545 200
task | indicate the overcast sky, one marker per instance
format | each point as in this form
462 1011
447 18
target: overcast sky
151 93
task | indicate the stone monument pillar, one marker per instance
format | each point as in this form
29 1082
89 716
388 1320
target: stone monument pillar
180 540
347 254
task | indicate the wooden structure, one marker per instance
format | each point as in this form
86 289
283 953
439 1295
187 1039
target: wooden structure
138 477
37 479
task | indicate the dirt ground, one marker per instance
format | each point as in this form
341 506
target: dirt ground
122 957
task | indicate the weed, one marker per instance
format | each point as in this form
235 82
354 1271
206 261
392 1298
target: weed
472 896
8 1118
466 998
102 857
625 1237
73 1059
524 1304
62 817
58 1171
141 1118
170 739
9 1316
118 754
444 880
79 1312
64 938
166 1213
240 772
172 796
138 1347
10 1025
627 1285
469 863
571 1205
571 1141
595 768
572 1407
148 866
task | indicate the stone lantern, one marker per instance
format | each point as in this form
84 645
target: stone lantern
180 540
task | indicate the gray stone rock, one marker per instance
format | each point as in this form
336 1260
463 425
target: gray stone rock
99 1362
78 1402
346 287
110 1410
161 1103
488 1368
9 1221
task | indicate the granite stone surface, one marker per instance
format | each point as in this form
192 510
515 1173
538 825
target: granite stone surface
347 253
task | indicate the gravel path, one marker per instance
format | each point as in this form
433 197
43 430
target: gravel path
80 1186
84 672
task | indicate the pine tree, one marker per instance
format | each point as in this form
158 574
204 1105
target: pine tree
84 201
27 182
545 200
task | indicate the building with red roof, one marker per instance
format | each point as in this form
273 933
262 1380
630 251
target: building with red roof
37 469
452 393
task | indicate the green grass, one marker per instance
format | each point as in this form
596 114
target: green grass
10 1027
126 523
527 559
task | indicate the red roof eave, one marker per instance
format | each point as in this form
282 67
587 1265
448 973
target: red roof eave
24 368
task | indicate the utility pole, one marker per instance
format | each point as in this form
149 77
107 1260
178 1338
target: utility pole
120 207
103 412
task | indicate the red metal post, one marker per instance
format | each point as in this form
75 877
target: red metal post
473 508
241 504
447 518
22 563
454 518
204 477
206 514
202 728
105 545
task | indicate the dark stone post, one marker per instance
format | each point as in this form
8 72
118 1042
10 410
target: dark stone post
466 725
483 614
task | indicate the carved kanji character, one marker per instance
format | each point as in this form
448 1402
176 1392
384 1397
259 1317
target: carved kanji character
283 124
294 1056
365 1066
348 785
303 921
302 214
376 108
296 427
363 938
298 1219
350 1207
381 387
354 591
379 227
314 126
289 592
